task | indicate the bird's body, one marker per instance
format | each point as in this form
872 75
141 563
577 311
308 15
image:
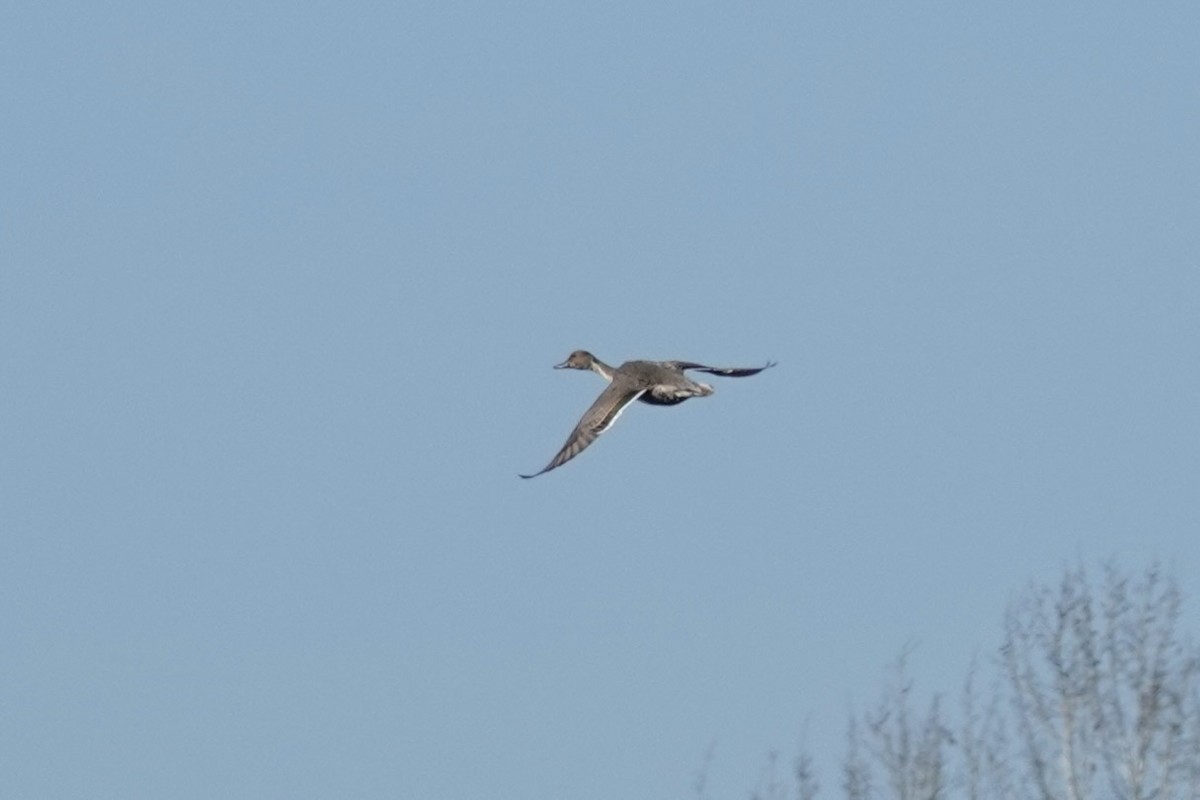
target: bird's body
655 382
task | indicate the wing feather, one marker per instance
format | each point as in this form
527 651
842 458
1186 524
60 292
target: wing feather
595 421
728 372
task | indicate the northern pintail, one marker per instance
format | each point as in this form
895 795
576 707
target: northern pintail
660 383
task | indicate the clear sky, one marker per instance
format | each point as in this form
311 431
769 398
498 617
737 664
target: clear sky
281 286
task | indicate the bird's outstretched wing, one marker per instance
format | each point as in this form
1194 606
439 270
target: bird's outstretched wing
728 372
595 421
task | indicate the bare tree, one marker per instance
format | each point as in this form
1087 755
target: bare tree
700 781
1050 659
770 786
1096 697
984 770
806 780
910 753
856 772
1103 690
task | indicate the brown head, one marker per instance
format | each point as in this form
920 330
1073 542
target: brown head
580 359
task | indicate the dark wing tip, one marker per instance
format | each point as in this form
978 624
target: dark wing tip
728 372
744 372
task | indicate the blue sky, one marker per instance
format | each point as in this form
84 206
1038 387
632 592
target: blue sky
280 289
